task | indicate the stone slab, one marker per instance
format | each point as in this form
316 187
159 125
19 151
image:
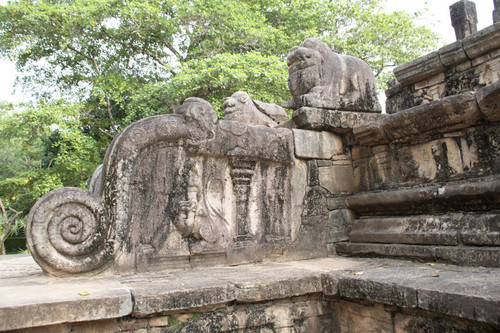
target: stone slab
419 68
452 54
441 116
175 292
474 195
480 229
438 230
467 295
320 145
470 293
457 255
332 120
363 318
410 251
46 301
471 47
482 42
488 99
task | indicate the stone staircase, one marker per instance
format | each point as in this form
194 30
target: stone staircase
427 176
455 223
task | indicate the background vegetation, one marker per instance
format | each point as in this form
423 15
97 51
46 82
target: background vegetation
91 67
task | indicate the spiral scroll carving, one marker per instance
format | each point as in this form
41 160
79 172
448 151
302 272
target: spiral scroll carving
67 234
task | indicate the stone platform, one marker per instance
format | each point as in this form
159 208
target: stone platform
321 295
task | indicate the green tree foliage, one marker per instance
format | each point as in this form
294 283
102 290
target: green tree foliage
48 148
105 51
117 61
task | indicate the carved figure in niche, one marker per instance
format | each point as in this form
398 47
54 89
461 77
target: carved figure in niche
200 118
240 107
319 77
194 219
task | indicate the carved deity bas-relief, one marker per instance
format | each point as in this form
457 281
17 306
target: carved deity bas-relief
195 214
319 77
240 107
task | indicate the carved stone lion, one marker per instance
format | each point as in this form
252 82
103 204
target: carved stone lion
240 107
318 77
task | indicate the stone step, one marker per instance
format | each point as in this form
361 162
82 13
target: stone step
458 255
450 229
481 194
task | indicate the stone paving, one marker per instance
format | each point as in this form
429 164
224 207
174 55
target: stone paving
30 299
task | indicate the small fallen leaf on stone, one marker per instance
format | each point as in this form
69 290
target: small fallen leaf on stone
83 293
431 264
435 275
358 273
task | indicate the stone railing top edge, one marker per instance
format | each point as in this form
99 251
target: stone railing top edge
437 117
470 48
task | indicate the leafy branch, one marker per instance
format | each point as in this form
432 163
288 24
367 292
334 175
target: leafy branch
9 222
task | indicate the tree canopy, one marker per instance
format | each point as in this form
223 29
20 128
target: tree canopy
92 67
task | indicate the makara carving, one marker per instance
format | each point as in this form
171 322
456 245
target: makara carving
173 189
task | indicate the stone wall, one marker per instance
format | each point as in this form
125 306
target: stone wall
295 315
427 176
466 65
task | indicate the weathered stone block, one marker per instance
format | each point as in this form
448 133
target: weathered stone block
441 116
360 152
444 115
371 134
161 321
470 256
311 239
291 285
332 120
320 145
481 230
483 41
419 252
419 68
45 303
380 287
337 179
451 294
335 203
338 223
354 317
164 296
438 230
415 323
315 201
430 81
452 54
477 256
435 160
476 62
488 99
488 72
480 194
